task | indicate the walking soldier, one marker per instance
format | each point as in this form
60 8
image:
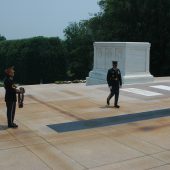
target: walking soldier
114 81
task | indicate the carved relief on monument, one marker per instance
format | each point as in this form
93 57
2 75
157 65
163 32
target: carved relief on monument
103 59
119 57
109 53
100 58
136 60
118 54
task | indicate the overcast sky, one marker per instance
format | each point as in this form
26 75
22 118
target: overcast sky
28 18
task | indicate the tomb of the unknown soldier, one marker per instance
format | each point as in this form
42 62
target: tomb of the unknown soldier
133 61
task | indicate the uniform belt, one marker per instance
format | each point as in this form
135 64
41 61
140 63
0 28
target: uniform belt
114 79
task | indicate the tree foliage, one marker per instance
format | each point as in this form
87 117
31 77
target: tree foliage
2 38
137 20
36 59
127 21
80 50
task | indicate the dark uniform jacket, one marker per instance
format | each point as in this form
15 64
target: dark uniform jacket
10 94
114 78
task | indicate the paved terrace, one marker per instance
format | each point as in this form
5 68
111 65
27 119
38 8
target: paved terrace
69 127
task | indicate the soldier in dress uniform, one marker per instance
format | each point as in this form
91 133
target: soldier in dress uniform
10 96
114 81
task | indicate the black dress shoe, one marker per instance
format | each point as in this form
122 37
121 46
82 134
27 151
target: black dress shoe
13 125
108 103
20 105
117 106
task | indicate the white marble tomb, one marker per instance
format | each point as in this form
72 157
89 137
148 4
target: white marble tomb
133 61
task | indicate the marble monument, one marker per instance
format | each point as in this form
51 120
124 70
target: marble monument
133 61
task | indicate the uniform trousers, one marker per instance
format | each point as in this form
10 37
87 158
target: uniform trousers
114 92
11 107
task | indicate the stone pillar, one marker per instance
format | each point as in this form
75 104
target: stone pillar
133 61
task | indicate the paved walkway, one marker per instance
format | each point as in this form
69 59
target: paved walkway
136 145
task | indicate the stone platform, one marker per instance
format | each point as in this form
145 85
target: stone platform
141 144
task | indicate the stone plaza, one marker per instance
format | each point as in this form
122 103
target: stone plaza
87 134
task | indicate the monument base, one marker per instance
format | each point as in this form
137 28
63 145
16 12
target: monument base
96 77
133 79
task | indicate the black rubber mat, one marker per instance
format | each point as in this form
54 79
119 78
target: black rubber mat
108 121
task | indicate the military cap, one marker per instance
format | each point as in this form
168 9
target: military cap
114 62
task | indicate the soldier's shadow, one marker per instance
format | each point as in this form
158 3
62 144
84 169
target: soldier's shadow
106 107
3 127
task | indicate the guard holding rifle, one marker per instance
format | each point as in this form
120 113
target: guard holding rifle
114 81
11 92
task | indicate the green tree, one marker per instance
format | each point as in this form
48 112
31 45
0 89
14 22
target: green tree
36 60
2 38
79 45
137 20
